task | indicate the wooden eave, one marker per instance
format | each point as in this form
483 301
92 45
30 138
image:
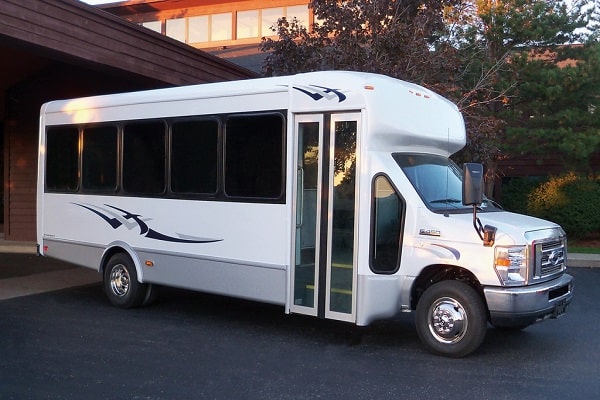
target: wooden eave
75 31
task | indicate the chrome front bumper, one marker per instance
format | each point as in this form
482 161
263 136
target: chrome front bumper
521 306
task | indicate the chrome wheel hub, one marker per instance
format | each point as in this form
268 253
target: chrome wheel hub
119 280
448 320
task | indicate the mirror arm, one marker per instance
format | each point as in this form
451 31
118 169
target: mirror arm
486 233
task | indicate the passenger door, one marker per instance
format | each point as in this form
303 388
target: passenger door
324 265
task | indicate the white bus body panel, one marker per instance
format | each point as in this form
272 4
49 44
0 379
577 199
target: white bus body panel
243 249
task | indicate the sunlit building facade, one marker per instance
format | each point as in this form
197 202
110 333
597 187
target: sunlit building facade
228 29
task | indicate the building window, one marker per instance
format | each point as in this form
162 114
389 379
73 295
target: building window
247 24
198 29
156 26
175 28
300 12
269 18
221 27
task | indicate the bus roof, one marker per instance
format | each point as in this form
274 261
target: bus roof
399 113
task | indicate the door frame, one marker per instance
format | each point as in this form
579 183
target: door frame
323 229
298 216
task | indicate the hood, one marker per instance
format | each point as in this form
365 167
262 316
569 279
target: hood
524 223
512 228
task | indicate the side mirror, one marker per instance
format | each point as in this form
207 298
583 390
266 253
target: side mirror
472 192
472 189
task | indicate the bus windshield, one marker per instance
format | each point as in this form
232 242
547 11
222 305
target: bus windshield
437 179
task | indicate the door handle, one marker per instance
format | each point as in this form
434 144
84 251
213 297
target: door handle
300 198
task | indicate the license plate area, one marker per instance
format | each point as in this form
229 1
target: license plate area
560 307
556 293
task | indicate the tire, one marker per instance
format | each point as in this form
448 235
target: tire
121 284
451 319
151 294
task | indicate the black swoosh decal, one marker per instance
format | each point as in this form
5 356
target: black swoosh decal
145 230
115 223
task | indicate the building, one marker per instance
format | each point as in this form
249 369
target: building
56 49
230 29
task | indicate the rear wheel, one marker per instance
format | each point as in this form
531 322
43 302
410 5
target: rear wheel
121 284
451 319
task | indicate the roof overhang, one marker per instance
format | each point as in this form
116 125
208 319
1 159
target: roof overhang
75 32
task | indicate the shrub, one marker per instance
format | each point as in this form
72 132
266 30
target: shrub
516 192
569 200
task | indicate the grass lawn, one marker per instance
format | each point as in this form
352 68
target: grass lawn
589 245
584 249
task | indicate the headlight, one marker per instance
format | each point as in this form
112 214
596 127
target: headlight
510 264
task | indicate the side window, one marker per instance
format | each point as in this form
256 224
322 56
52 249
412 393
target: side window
144 157
62 159
387 219
194 157
99 159
254 156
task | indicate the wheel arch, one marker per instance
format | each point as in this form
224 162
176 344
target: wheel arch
435 273
121 247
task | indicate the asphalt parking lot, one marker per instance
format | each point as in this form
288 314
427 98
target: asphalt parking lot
70 343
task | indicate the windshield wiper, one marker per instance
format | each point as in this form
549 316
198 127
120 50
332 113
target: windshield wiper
489 202
451 201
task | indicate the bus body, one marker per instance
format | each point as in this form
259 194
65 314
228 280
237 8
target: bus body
328 193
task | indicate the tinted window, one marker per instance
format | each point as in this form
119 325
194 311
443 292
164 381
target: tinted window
387 211
254 156
62 159
144 158
99 159
194 157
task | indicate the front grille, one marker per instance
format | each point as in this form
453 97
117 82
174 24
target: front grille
550 257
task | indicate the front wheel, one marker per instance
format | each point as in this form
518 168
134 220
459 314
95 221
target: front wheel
451 319
120 282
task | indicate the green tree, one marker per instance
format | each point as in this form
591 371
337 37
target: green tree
391 37
505 50
556 108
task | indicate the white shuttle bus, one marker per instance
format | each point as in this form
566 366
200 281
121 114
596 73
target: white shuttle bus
328 193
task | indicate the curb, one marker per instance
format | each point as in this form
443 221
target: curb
583 260
46 282
17 247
